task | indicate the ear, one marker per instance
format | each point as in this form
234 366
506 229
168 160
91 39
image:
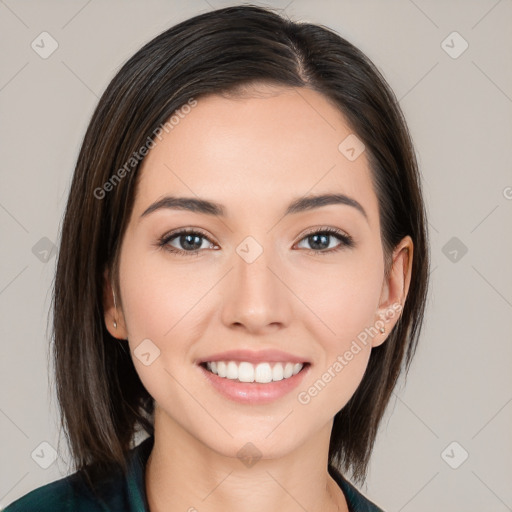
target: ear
394 289
111 312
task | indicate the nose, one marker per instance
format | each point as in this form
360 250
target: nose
256 297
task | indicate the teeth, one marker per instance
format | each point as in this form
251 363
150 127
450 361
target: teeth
248 372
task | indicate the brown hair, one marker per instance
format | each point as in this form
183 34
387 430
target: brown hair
102 399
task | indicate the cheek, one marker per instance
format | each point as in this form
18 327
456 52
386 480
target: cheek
161 306
165 303
344 301
158 293
343 298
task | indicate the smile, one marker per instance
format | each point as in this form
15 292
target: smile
264 382
262 373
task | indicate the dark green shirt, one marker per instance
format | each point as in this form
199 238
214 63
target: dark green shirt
120 494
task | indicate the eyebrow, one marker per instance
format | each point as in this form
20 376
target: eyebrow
207 207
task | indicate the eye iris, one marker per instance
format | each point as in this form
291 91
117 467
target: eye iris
184 241
319 236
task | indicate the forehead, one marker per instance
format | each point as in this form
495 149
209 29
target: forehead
250 152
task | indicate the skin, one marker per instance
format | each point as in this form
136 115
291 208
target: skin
253 155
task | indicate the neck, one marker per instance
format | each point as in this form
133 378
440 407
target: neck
186 475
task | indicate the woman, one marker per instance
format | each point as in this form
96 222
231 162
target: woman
259 369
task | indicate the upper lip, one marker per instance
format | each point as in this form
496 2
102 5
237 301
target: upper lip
252 356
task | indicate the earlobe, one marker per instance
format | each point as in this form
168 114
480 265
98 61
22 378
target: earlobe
113 316
394 290
115 306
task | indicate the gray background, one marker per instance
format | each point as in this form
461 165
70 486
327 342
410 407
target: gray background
459 111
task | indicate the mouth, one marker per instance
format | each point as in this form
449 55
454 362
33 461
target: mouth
261 373
253 384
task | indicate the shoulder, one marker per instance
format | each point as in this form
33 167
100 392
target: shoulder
69 494
114 489
58 495
66 494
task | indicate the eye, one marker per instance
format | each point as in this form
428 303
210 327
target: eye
190 239
320 239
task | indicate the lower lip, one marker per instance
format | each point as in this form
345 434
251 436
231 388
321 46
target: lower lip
254 392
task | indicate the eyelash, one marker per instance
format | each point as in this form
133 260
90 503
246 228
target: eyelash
346 241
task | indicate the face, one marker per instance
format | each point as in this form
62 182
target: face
256 277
